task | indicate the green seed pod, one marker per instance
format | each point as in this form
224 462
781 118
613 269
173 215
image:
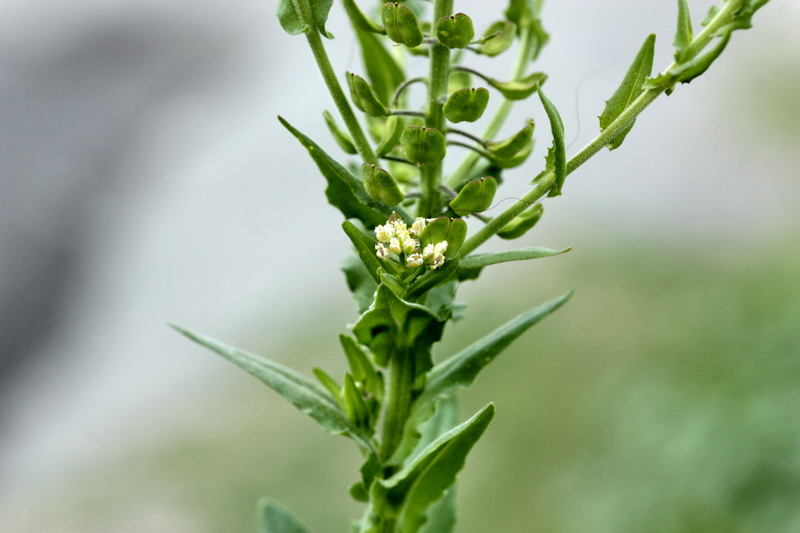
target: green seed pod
401 24
519 89
517 159
423 146
522 223
452 230
498 38
455 31
391 135
466 105
476 196
513 145
341 137
364 98
380 185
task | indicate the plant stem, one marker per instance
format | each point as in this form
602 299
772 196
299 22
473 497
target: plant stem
500 116
431 176
398 401
334 88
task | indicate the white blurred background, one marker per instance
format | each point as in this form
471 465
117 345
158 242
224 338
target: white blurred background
144 178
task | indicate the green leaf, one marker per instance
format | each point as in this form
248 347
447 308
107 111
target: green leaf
355 406
345 191
521 88
455 31
688 71
476 196
363 97
320 9
684 33
359 20
401 24
442 514
512 146
526 14
365 248
520 225
556 160
361 367
383 72
423 146
329 383
432 278
461 369
341 137
393 129
472 264
629 90
380 185
466 105
294 388
407 495
359 281
275 518
289 19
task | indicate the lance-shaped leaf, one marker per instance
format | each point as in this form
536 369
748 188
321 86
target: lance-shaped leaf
455 31
341 137
275 518
345 191
466 105
359 20
442 514
407 495
423 146
510 147
361 367
380 185
688 71
476 196
365 248
359 281
355 406
383 72
452 230
331 384
684 33
498 38
364 98
519 89
630 89
401 24
295 388
520 225
461 369
471 266
556 159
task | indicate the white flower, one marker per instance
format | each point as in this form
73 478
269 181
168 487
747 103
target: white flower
382 252
415 260
394 245
427 252
436 261
384 233
416 227
440 247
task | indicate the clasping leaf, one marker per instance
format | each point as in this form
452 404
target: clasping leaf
275 518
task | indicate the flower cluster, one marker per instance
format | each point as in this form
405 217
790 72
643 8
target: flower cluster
395 237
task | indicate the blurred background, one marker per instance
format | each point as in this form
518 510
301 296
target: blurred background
144 178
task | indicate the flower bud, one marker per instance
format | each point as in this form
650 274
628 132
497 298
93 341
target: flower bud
380 185
401 24
423 146
364 98
455 31
476 196
466 105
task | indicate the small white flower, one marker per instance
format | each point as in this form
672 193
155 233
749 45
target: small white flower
440 247
382 252
394 245
416 227
415 260
436 261
427 253
384 233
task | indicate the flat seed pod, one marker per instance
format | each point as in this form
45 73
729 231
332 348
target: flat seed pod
423 146
476 196
519 89
455 31
452 230
513 145
522 223
498 38
401 24
466 105
380 185
364 98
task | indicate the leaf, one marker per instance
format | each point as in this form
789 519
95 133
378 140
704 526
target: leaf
478 261
384 74
345 191
461 369
294 388
289 19
688 71
320 9
275 518
684 33
365 248
359 20
629 90
432 278
409 493
359 281
341 137
556 160
361 367
391 137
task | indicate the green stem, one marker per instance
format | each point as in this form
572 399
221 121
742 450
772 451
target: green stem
398 401
702 39
431 176
334 88
501 115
